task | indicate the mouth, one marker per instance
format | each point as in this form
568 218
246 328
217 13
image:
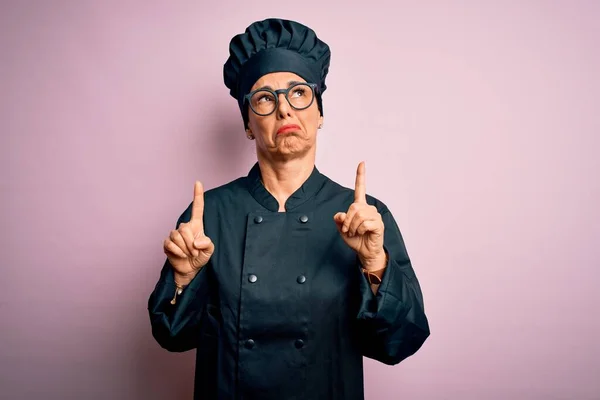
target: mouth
288 128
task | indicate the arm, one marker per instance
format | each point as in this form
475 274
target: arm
392 323
176 327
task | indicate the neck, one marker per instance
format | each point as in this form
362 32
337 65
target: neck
283 178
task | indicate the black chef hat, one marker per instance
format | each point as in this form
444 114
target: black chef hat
275 45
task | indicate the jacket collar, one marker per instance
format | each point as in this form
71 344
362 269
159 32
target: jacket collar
309 189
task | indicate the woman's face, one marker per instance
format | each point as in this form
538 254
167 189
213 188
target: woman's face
300 136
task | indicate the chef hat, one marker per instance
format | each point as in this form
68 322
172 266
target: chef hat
275 45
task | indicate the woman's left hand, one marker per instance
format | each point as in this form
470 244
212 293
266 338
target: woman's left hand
362 227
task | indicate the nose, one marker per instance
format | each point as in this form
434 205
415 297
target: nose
283 108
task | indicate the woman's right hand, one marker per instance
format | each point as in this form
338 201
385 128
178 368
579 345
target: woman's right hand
188 249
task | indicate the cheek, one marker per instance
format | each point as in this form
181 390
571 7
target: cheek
259 124
252 121
311 118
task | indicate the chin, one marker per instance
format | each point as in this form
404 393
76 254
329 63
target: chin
290 149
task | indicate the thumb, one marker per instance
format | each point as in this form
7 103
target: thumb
202 243
339 218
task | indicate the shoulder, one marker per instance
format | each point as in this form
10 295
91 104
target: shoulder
227 192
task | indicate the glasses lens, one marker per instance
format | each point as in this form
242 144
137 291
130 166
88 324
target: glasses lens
263 102
300 96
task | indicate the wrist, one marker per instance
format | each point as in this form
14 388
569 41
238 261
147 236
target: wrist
375 263
374 269
182 280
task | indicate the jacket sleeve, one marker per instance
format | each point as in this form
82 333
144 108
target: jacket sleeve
176 327
392 323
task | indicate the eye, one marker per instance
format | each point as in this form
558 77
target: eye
298 92
265 98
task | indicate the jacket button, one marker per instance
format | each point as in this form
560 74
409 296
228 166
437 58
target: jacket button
304 219
252 278
258 219
299 343
249 344
301 279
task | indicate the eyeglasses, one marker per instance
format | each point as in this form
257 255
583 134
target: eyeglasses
265 101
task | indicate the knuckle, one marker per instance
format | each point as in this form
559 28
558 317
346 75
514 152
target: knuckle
184 227
184 232
169 248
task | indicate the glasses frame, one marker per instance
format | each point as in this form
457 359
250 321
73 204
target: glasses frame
276 93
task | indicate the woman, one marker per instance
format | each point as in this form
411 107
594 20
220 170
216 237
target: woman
283 279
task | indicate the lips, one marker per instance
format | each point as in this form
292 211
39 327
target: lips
288 128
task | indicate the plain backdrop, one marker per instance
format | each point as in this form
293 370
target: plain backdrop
479 124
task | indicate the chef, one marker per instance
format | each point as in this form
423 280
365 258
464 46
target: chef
282 280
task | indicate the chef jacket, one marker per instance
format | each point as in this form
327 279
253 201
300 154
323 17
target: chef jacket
282 310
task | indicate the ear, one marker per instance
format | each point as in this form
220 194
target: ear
249 134
320 121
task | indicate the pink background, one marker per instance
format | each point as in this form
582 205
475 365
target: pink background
478 123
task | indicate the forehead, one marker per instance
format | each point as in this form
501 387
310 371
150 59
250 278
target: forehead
277 80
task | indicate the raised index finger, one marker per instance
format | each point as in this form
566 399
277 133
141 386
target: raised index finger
360 188
198 208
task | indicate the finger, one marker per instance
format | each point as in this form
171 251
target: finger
358 219
205 246
173 250
363 214
352 210
188 237
339 217
198 209
210 248
176 238
369 225
360 189
203 243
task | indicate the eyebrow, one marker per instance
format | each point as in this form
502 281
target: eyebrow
290 83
